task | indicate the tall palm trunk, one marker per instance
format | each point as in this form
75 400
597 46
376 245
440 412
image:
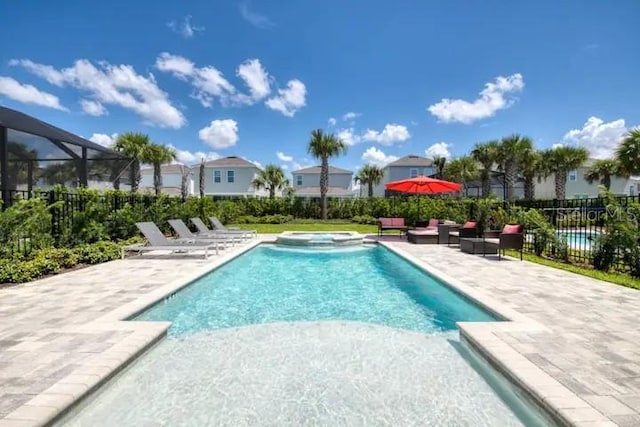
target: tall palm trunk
370 188
606 181
184 182
272 192
157 177
324 185
510 173
561 184
201 179
135 175
529 188
486 183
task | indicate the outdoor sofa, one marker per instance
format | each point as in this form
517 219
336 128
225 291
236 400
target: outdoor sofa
391 224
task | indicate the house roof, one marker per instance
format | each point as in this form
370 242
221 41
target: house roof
316 170
234 161
172 168
412 160
331 191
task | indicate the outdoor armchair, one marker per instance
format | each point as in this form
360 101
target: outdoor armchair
511 237
468 229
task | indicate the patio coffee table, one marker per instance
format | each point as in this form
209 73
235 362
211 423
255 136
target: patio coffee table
473 245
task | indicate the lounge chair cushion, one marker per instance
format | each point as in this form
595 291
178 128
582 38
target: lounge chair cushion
397 222
512 229
433 223
424 232
470 224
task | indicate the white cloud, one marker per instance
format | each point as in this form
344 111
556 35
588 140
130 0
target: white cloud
289 100
192 158
495 96
256 78
350 116
284 157
184 27
348 136
220 133
179 66
600 138
28 94
115 85
332 121
390 134
558 145
254 18
439 149
103 139
377 157
284 167
93 108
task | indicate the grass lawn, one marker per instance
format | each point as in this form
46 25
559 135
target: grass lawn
319 226
617 278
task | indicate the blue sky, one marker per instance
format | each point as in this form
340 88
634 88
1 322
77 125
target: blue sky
253 78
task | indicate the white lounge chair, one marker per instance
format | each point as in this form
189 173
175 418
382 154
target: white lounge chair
218 226
203 229
185 234
159 242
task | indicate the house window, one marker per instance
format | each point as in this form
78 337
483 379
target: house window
217 177
573 175
230 176
298 180
413 173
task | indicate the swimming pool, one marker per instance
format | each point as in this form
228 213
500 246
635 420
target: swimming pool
576 239
283 336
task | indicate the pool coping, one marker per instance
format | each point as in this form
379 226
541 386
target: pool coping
564 406
48 407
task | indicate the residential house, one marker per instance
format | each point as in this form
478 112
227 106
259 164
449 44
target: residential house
306 182
579 188
228 176
405 167
171 179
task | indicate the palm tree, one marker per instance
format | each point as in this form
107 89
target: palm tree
133 145
158 155
509 157
60 173
628 152
272 179
531 168
185 172
439 163
370 175
201 179
360 179
602 171
323 146
486 154
559 161
462 170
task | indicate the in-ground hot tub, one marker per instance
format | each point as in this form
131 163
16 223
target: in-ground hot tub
320 238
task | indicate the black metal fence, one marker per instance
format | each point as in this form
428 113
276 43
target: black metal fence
579 222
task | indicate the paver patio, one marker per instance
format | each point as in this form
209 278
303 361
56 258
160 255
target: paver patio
61 336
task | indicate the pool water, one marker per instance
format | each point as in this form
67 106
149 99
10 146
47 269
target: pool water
275 284
295 337
581 240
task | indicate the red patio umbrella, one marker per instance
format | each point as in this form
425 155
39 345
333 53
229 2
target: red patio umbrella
423 185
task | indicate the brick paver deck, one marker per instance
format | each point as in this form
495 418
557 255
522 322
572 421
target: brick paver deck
572 341
583 333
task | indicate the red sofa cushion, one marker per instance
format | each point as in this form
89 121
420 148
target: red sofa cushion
512 229
433 223
470 224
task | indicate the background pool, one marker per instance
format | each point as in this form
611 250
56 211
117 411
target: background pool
275 284
582 240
